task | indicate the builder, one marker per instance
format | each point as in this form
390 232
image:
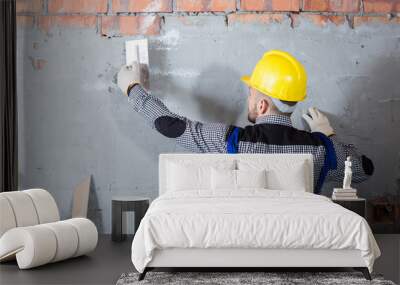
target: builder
277 83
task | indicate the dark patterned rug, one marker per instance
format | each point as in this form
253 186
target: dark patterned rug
273 278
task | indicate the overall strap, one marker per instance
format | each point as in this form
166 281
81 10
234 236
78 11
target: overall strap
232 145
330 160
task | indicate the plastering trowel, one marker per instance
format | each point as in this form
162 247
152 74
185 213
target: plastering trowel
138 51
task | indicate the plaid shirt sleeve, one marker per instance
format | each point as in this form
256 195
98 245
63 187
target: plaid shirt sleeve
342 152
196 136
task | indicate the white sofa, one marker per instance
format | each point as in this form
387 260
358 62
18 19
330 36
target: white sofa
31 231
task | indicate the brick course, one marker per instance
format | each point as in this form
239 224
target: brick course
205 5
130 25
145 17
381 6
25 21
255 18
46 23
345 6
142 6
270 5
77 6
29 6
318 20
358 21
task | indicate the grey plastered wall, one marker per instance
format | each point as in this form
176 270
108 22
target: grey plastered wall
74 121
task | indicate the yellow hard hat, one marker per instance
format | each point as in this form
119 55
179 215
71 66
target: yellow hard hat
279 75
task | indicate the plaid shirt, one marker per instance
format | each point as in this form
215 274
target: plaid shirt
212 137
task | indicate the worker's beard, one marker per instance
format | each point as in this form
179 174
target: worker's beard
252 115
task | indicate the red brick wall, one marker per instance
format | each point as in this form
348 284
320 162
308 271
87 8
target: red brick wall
134 17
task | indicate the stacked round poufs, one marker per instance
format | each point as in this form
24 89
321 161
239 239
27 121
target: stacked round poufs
31 230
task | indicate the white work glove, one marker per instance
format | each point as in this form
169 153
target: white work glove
132 74
318 122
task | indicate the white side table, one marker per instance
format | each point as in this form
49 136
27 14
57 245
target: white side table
122 204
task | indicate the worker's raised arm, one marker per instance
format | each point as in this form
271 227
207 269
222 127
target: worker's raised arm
192 135
337 152
362 166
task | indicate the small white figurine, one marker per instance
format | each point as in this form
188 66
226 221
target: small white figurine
347 174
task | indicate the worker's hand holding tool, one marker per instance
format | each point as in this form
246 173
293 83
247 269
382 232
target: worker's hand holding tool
132 74
318 122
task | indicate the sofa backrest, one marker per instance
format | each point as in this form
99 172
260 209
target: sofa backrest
280 165
26 208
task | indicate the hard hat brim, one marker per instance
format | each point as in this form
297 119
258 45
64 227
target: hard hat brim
246 79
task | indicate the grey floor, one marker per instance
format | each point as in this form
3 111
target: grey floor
110 260
102 266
